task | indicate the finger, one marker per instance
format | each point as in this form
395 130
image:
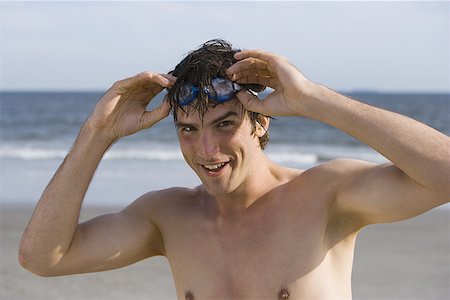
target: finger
260 80
251 74
261 54
250 101
150 118
148 79
264 81
248 64
171 78
144 79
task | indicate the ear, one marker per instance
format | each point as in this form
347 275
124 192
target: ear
262 126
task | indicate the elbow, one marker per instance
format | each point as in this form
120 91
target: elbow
33 264
27 262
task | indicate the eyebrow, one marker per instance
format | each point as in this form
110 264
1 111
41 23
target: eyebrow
225 116
217 120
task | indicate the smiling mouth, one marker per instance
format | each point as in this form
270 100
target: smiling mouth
214 167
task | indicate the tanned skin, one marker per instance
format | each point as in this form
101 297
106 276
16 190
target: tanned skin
253 229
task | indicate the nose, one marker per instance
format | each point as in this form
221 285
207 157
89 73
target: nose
208 145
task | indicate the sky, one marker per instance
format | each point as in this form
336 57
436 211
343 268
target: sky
348 46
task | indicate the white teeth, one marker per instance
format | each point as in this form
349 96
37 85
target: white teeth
214 167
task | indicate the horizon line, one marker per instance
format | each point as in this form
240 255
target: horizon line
349 91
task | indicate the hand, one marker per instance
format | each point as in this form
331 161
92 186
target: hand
122 110
268 69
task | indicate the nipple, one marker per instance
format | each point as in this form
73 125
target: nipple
283 294
189 296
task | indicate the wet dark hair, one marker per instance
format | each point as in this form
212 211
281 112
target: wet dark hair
199 67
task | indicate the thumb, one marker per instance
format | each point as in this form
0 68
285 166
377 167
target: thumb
250 101
150 118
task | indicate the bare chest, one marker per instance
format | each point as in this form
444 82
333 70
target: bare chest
264 256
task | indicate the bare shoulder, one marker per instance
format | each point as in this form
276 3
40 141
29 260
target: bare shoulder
332 174
160 205
369 193
343 166
341 176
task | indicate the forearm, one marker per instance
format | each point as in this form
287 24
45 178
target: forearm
418 150
51 229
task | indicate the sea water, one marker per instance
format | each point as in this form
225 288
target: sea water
38 129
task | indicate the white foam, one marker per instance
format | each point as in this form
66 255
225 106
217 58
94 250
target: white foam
32 154
283 154
161 155
27 153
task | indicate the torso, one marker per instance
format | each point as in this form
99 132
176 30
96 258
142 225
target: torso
287 245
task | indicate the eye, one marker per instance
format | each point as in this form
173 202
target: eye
186 129
189 128
225 124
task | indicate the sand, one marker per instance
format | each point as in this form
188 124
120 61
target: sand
406 260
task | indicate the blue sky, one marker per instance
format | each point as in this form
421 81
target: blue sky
380 46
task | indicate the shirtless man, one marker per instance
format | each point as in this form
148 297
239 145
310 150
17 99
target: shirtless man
253 229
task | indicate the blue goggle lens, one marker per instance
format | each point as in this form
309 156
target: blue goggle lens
220 90
187 94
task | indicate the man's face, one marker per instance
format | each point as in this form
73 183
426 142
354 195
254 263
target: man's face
220 148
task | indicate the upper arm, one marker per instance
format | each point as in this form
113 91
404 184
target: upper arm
381 193
113 241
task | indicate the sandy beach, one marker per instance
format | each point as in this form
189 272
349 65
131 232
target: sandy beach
406 260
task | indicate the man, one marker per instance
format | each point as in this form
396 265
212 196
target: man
253 229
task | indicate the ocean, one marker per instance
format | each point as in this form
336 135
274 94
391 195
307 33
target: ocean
38 129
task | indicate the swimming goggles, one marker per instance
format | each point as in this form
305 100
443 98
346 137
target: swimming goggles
219 91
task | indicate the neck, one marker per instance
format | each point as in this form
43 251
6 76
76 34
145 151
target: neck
262 177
